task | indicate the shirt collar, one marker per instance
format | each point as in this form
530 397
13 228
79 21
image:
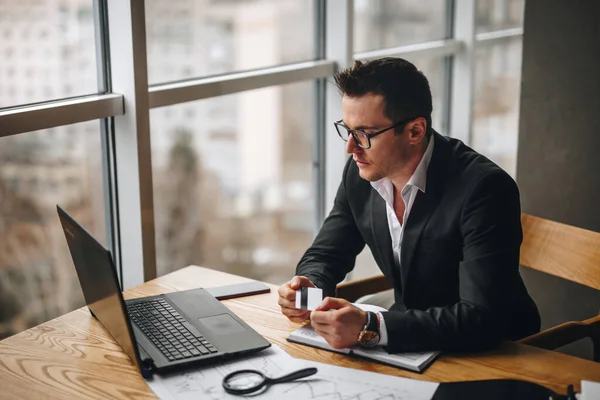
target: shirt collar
418 178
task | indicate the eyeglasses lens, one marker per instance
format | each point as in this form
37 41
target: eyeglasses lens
360 139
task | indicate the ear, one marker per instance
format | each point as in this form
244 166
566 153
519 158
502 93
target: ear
417 130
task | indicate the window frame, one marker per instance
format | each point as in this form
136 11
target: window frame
120 30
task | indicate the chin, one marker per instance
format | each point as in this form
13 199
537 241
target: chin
369 176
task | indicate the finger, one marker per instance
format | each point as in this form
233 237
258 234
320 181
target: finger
332 339
295 316
325 336
281 290
283 303
295 313
321 331
286 291
300 281
333 330
335 342
299 319
322 317
320 327
289 307
330 303
292 312
287 294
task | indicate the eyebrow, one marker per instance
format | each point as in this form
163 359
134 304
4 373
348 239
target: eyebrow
361 127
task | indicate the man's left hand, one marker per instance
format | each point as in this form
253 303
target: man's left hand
338 322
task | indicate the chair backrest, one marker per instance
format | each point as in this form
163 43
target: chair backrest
561 250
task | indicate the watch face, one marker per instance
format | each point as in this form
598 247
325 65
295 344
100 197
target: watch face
368 338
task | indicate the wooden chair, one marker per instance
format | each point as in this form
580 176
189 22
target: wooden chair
354 290
562 250
570 253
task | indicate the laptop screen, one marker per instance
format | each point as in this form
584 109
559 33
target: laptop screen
99 283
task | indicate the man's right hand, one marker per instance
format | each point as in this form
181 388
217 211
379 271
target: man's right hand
287 299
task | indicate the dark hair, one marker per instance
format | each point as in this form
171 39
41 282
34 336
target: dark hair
404 88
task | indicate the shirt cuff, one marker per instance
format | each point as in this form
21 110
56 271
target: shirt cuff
383 335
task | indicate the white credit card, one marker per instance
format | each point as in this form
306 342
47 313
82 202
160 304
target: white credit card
308 298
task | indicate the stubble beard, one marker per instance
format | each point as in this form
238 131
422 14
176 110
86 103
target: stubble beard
371 177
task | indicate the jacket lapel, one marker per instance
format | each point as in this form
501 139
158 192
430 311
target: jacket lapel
381 233
425 204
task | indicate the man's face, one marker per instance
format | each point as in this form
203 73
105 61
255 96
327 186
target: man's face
388 152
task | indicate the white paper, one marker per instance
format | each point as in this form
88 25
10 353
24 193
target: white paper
590 390
330 382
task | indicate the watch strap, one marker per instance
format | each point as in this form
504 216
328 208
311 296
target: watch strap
369 336
372 324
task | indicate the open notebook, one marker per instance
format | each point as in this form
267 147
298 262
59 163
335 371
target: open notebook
413 361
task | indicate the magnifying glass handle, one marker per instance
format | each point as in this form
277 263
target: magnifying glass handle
301 373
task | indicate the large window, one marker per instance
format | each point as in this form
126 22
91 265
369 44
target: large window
494 15
380 24
434 68
233 182
496 102
497 82
215 147
47 50
39 170
191 38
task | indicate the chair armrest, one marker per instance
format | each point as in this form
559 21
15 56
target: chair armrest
354 290
566 333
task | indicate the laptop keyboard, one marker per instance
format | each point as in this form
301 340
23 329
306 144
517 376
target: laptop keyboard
164 326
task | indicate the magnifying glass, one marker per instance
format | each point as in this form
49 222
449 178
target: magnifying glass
250 380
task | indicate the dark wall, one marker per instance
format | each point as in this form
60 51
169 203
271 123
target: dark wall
558 167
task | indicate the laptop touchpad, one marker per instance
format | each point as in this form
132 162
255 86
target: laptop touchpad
222 324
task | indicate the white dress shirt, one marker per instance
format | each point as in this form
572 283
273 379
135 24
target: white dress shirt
418 181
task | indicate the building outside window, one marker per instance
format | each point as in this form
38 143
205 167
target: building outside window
234 176
498 83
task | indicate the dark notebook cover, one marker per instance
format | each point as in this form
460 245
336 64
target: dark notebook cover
495 389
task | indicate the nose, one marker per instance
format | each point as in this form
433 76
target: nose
351 146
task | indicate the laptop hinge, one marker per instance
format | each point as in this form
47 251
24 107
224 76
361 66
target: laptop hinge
147 365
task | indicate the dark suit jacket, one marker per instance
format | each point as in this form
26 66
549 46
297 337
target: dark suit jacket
458 286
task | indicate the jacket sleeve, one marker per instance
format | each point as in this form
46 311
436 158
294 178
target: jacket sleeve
491 236
333 253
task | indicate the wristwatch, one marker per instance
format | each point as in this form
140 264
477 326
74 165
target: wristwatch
369 336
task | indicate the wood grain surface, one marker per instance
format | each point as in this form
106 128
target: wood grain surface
561 250
73 357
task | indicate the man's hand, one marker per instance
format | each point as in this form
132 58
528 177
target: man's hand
287 299
339 322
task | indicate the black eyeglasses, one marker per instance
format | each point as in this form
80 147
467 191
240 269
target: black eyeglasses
363 139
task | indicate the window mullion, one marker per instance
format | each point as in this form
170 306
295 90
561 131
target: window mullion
134 191
463 71
339 38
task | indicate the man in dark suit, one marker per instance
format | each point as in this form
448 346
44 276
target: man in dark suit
442 222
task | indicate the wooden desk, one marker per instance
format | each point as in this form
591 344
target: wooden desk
74 357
